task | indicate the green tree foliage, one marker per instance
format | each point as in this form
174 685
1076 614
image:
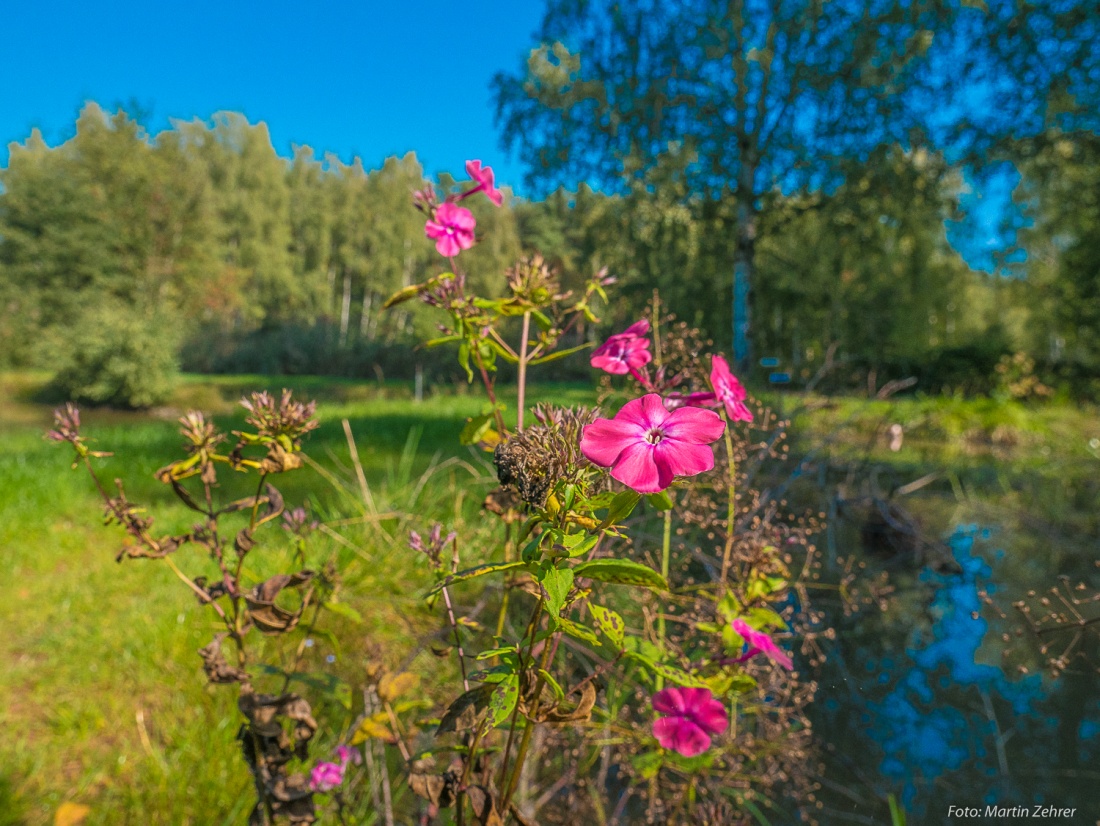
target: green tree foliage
736 99
208 237
1061 192
734 102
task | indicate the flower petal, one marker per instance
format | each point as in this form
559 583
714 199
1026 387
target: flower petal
711 716
605 439
638 328
669 701
694 425
678 458
680 735
636 469
609 363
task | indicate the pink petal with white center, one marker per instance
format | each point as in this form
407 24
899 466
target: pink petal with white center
605 439
636 469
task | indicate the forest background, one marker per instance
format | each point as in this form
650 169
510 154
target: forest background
125 256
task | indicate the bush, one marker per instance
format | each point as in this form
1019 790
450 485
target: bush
117 357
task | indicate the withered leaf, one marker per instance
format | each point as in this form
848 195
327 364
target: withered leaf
214 664
244 541
438 788
569 713
484 806
465 712
269 617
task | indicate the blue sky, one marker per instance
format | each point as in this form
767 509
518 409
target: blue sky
370 78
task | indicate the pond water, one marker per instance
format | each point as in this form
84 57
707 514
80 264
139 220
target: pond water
922 702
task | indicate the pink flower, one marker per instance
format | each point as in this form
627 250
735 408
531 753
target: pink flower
452 227
646 444
326 776
728 390
346 754
484 178
693 716
624 352
760 643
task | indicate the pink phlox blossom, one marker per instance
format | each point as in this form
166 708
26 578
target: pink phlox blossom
728 391
624 352
692 716
326 776
346 754
452 227
760 643
646 444
483 176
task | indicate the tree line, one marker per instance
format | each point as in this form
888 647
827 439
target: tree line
123 254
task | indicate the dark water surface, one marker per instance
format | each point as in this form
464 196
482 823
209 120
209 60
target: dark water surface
923 703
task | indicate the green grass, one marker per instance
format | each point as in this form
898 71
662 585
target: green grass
101 697
102 700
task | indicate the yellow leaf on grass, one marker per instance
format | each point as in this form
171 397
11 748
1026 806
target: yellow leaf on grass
70 814
393 686
370 729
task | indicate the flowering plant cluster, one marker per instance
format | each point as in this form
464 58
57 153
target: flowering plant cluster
620 639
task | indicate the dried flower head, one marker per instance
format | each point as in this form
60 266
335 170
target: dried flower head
533 279
289 418
297 522
66 422
433 547
200 434
543 455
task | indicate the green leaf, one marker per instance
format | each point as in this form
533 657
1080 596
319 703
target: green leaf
500 351
897 814
473 573
555 687
436 342
342 609
557 582
479 425
503 700
609 622
496 652
464 360
647 764
660 501
621 572
530 551
577 631
670 672
542 320
559 354
621 506
496 674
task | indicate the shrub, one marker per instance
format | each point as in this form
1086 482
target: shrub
119 358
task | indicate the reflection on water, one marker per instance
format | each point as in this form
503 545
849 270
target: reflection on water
910 705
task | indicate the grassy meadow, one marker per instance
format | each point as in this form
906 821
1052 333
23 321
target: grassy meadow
102 700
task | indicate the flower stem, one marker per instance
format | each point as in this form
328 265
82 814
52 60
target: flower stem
731 508
523 370
666 548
